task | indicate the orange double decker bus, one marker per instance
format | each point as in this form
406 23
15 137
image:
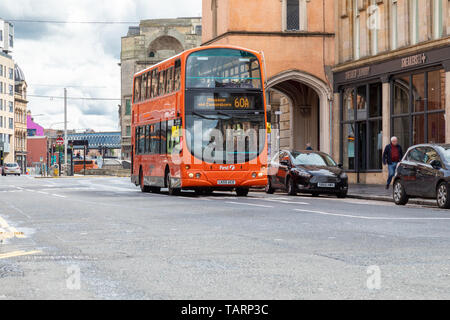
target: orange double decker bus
199 122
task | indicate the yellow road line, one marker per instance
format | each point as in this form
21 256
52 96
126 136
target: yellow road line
18 254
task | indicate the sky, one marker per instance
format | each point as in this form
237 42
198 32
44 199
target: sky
82 57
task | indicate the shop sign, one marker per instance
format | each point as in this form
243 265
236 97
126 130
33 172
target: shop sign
414 60
357 73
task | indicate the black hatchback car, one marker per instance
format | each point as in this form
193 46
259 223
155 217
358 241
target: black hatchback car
424 172
306 172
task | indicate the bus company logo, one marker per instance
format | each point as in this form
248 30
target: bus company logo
224 168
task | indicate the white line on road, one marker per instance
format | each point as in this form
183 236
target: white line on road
59 196
369 218
249 204
283 201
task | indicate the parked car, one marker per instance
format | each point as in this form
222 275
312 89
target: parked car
11 168
424 172
306 172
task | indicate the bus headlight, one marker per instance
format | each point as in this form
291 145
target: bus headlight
261 174
191 175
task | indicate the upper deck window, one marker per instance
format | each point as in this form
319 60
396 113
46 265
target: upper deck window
223 68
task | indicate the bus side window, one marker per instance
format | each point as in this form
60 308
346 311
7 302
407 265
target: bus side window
169 85
154 84
162 82
156 139
137 88
143 87
136 140
147 139
163 137
142 141
149 85
177 82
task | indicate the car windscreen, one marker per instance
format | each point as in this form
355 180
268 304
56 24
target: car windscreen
312 159
12 165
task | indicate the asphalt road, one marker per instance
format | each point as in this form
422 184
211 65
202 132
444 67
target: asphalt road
101 238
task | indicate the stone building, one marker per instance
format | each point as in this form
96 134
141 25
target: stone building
6 108
20 118
145 45
392 77
297 39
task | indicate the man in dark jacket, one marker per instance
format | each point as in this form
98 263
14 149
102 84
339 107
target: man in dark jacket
392 155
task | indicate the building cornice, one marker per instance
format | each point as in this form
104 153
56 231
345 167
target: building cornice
295 34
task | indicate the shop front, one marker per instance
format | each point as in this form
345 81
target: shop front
406 97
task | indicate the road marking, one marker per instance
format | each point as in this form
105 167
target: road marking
283 201
59 196
368 218
18 254
249 204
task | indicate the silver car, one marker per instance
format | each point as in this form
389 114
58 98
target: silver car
11 168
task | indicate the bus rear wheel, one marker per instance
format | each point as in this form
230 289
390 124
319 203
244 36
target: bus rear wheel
144 188
172 191
242 192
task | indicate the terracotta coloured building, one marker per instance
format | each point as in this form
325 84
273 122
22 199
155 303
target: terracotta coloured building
297 39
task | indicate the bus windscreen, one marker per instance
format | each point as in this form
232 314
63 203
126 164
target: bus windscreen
223 68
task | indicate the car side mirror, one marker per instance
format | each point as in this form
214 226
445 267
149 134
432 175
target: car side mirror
436 164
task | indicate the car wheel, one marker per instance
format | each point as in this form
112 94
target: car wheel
269 189
291 188
442 196
342 194
172 191
242 192
399 194
199 191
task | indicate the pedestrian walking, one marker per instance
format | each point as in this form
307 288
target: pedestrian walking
392 155
308 147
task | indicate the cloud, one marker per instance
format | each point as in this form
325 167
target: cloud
83 57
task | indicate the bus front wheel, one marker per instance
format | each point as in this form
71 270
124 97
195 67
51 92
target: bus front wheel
172 191
242 192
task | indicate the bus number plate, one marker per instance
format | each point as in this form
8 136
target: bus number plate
226 182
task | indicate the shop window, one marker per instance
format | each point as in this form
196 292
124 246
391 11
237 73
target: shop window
361 103
362 130
421 120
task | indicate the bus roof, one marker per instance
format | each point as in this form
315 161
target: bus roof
194 50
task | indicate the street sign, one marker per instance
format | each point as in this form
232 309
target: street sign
60 141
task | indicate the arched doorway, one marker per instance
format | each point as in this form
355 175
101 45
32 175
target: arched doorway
300 109
164 47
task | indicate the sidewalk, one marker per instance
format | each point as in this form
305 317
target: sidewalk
379 193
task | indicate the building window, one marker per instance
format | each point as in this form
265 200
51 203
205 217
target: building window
128 131
214 17
356 30
11 90
11 123
394 24
11 106
437 19
361 128
293 15
198 30
414 21
127 107
418 108
11 74
374 23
